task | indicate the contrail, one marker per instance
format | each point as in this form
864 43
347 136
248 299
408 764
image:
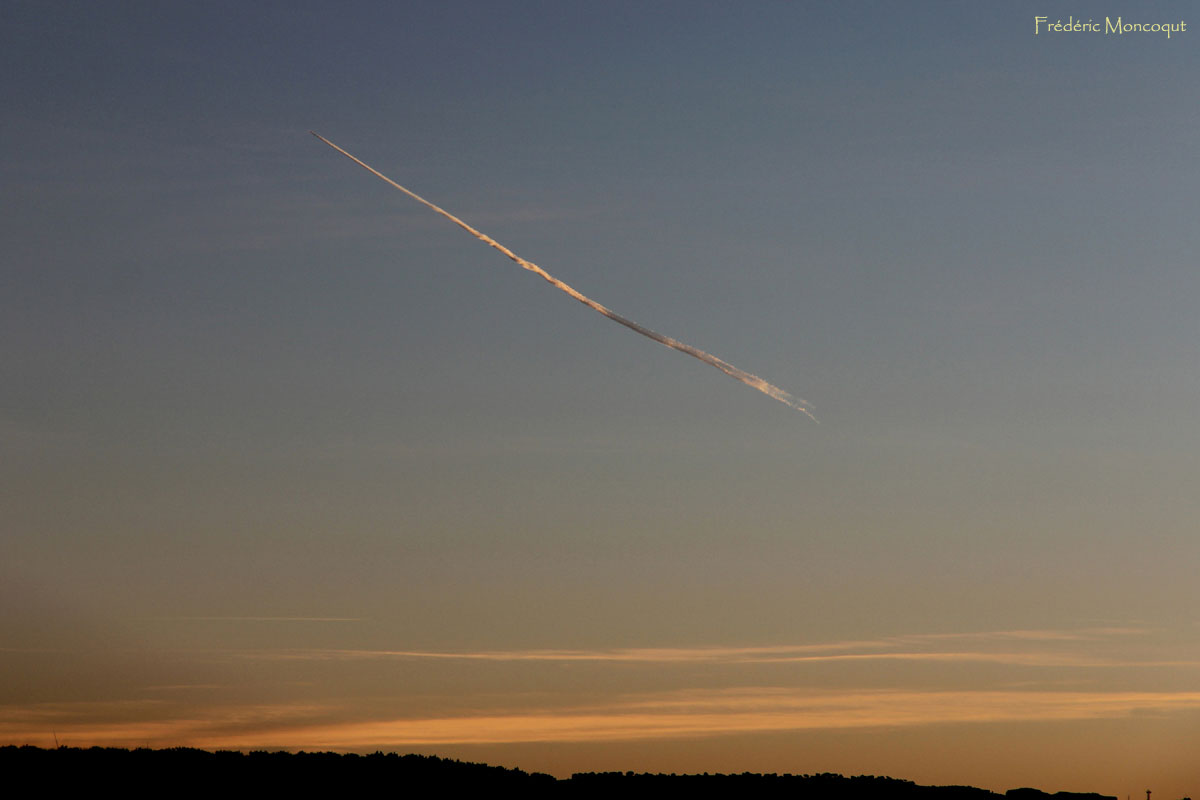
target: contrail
708 358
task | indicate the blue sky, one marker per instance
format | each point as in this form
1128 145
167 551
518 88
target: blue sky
242 378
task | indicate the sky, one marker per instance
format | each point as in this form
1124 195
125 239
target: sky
289 461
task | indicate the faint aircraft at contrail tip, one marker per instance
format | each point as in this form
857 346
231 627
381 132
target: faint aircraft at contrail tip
708 358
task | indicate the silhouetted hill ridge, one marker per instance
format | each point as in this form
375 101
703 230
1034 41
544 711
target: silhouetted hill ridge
183 771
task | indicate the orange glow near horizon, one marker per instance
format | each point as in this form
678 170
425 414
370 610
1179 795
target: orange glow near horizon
675 702
673 715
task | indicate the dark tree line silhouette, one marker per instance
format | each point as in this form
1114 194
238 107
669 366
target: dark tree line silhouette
187 772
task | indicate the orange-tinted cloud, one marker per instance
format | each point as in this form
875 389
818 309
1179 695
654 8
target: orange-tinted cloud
670 715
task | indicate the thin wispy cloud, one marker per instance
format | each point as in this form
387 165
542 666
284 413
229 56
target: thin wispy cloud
140 722
916 647
750 711
671 715
196 714
691 657
1032 635
257 619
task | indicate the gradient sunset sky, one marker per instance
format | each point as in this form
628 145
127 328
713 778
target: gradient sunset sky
290 462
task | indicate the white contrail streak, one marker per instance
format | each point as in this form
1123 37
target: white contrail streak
708 358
